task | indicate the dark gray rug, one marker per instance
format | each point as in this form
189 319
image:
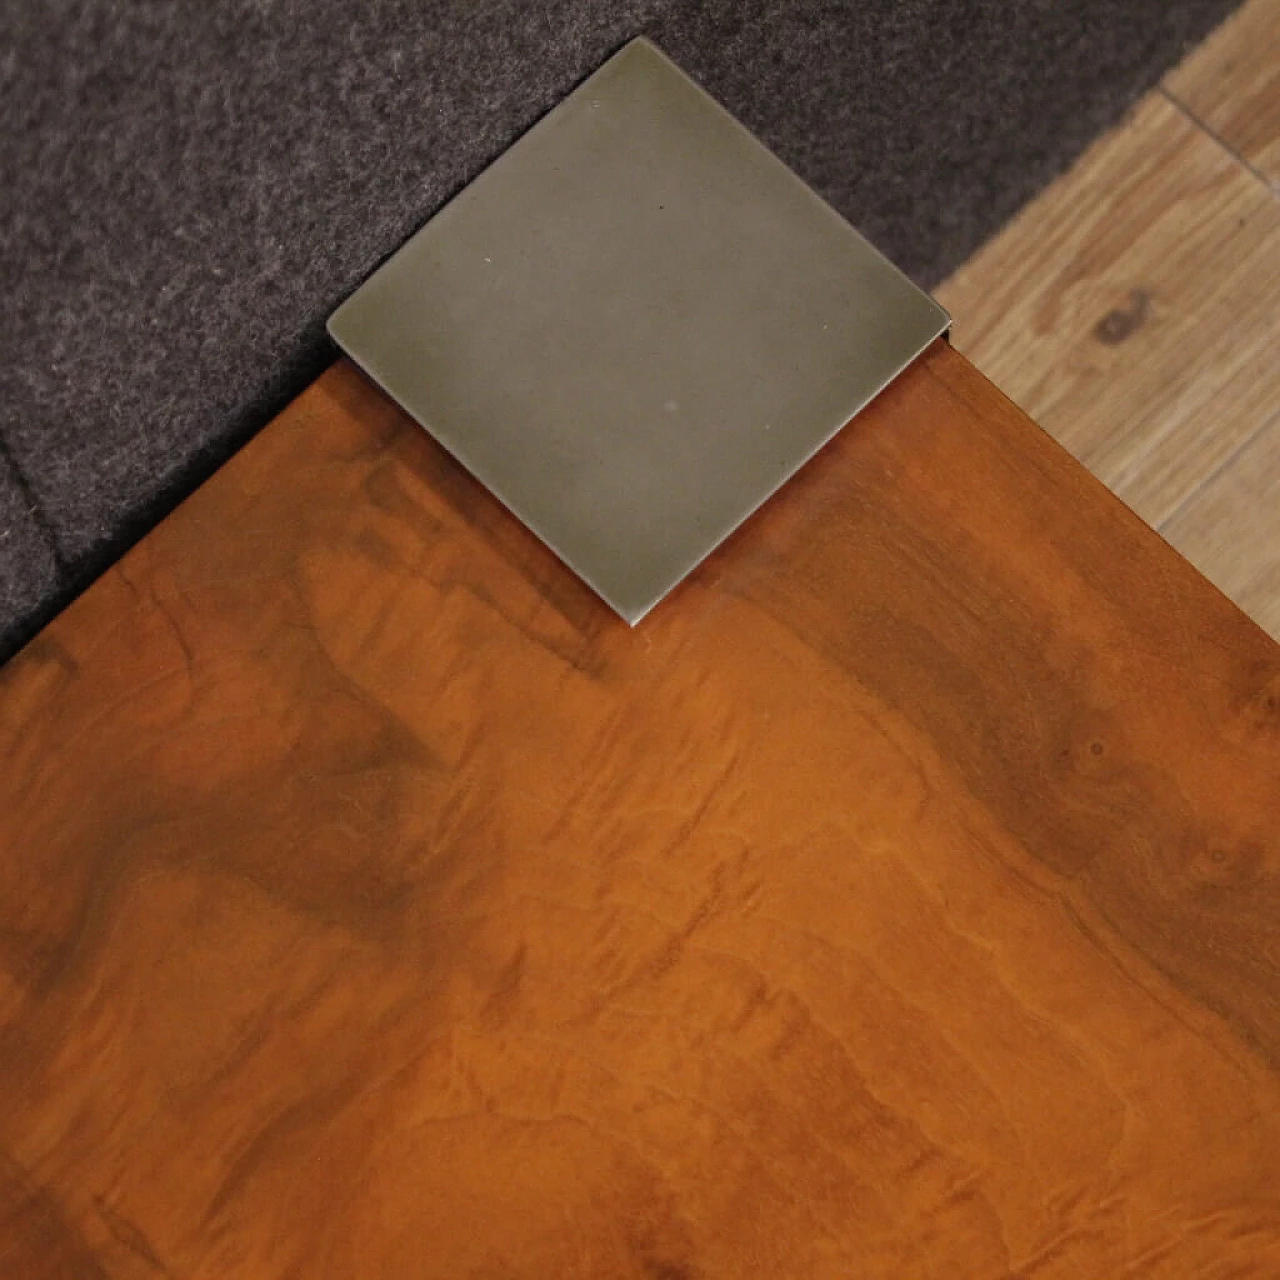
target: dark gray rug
189 186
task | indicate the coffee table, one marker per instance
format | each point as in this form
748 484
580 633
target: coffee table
899 899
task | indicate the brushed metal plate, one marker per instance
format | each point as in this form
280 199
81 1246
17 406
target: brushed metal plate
634 326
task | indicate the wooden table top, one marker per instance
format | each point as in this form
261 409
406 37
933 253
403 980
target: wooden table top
900 899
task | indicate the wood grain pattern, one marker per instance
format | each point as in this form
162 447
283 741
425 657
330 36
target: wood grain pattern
1232 84
901 899
1230 528
1131 308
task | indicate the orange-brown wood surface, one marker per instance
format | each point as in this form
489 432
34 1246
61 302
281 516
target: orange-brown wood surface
899 900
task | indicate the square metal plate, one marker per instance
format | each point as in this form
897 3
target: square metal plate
634 326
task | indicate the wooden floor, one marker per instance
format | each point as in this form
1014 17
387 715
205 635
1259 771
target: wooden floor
1134 309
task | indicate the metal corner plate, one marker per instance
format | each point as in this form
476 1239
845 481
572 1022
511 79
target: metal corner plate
634 326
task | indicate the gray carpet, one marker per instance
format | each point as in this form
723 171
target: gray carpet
189 186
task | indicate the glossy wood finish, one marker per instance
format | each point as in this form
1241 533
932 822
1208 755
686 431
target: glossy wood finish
900 899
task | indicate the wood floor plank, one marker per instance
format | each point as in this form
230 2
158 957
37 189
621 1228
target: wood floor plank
1131 309
1232 83
1230 528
